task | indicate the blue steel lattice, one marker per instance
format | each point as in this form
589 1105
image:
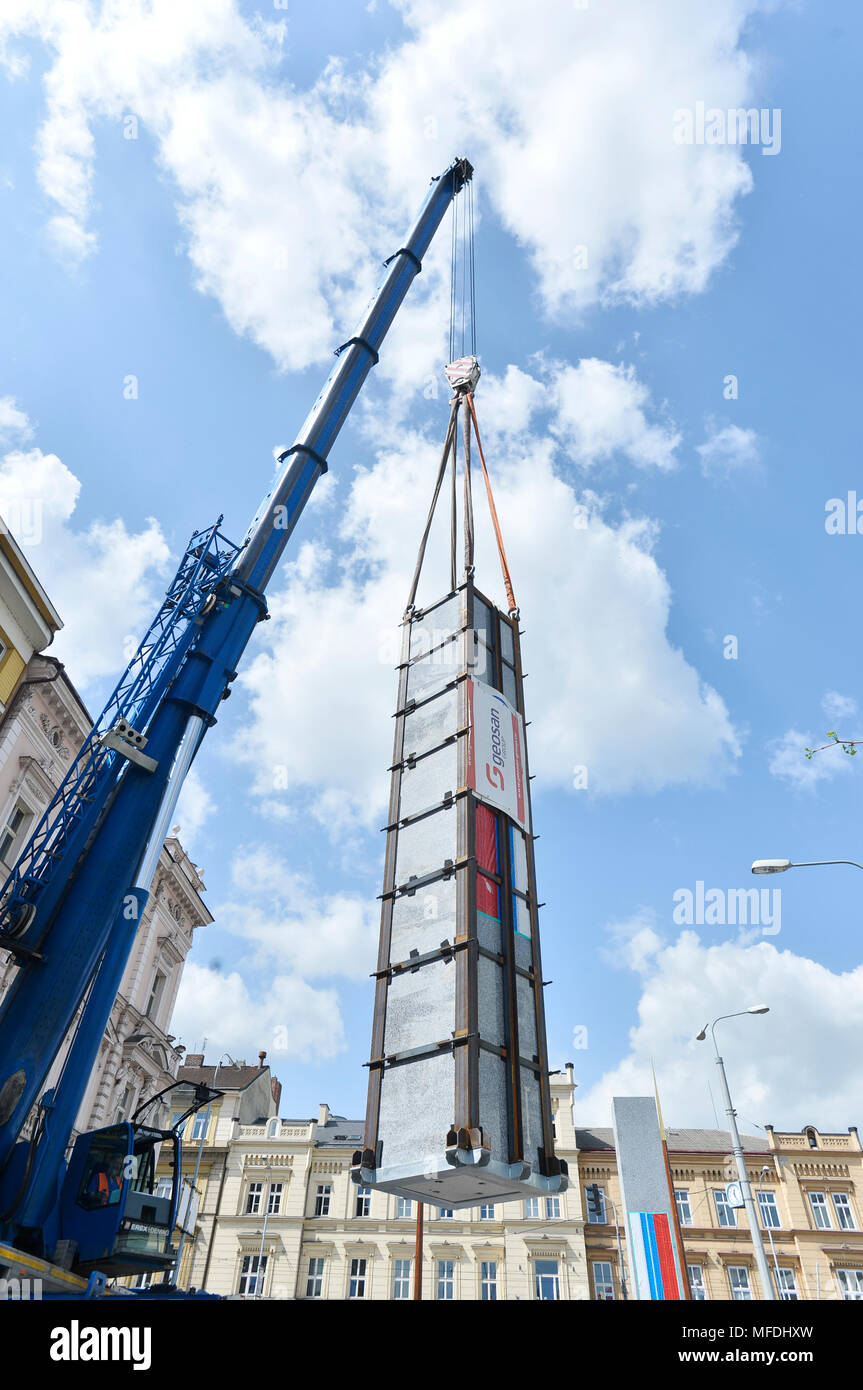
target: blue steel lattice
205 564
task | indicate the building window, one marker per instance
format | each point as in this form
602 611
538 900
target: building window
738 1278
315 1279
364 1201
813 1138
274 1199
155 995
357 1286
199 1125
546 1280
12 834
445 1213
844 1214
125 1104
603 1282
820 1210
769 1209
404 1208
488 1281
164 1187
486 1211
786 1285
446 1279
142 1281
725 1214
552 1208
684 1210
531 1208
252 1275
696 1282
253 1198
401 1278
323 1193
850 1284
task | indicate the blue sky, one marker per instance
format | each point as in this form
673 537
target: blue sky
222 253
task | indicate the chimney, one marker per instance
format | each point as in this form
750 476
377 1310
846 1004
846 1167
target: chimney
194 1059
323 1113
261 1059
276 1088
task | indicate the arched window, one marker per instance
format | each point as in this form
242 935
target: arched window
273 1128
812 1137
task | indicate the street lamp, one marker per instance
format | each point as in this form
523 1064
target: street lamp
610 1199
748 1200
766 1169
778 866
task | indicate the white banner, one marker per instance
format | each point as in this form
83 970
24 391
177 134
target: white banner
495 758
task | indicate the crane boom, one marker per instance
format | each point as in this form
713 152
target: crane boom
71 908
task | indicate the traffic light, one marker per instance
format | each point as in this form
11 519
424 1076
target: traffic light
595 1204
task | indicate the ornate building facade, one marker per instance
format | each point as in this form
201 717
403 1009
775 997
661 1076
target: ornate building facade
280 1218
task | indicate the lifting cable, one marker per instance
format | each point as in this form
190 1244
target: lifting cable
447 448
462 334
462 292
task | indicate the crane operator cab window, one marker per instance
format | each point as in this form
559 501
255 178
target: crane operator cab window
106 1167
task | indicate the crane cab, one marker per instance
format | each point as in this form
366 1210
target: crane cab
109 1204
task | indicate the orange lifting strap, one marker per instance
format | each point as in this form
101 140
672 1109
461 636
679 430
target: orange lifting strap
462 400
507 582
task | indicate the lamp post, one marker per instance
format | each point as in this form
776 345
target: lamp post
748 1200
779 866
766 1169
259 1278
623 1289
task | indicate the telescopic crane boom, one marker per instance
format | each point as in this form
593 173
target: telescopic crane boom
70 909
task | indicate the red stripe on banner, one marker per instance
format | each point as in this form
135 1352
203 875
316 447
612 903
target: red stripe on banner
487 899
664 1250
471 741
519 770
486 839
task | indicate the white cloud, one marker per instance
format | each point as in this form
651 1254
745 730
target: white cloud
14 424
606 689
287 1018
794 1066
102 578
837 706
292 925
288 194
789 762
600 412
633 943
728 448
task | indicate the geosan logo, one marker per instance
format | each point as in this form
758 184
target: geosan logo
495 758
498 752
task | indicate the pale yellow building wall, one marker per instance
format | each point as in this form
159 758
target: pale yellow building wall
794 1170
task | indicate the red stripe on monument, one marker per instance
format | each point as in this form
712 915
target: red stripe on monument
666 1257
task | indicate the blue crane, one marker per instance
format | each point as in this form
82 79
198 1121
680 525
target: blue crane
70 909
